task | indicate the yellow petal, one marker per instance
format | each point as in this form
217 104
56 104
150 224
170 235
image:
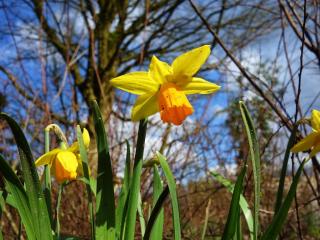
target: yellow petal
199 86
86 140
136 82
315 119
315 150
86 137
74 147
146 105
66 165
189 63
47 158
159 71
306 143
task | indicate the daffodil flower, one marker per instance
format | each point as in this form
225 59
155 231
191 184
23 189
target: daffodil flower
65 164
164 88
312 141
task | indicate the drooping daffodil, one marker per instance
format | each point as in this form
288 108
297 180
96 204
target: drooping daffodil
312 141
65 164
164 87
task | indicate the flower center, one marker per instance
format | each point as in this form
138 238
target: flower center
174 106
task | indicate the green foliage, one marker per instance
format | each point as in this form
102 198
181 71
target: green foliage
255 161
173 194
32 197
242 201
105 223
85 166
113 220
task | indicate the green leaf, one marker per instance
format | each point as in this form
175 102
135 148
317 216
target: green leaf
243 202
141 218
135 183
38 207
233 215
173 194
85 166
255 161
284 169
92 183
238 233
105 205
157 228
47 177
122 206
280 217
19 197
157 209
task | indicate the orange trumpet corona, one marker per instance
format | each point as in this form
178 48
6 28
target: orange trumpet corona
174 106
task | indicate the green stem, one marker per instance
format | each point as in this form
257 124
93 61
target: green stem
135 184
47 176
57 223
85 167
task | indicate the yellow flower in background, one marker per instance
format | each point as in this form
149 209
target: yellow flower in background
164 88
312 141
65 164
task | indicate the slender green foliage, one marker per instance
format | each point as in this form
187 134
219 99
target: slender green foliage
105 205
233 215
157 190
173 195
122 202
135 183
243 202
140 215
155 213
47 177
85 166
255 161
38 208
284 169
279 218
57 219
19 198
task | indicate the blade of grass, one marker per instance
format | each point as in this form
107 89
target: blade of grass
284 169
279 218
243 202
135 183
19 196
47 177
141 218
238 234
39 210
157 190
204 230
122 207
57 220
255 161
231 225
85 166
155 213
173 195
105 205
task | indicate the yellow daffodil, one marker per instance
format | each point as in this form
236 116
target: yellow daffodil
312 141
65 164
164 88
